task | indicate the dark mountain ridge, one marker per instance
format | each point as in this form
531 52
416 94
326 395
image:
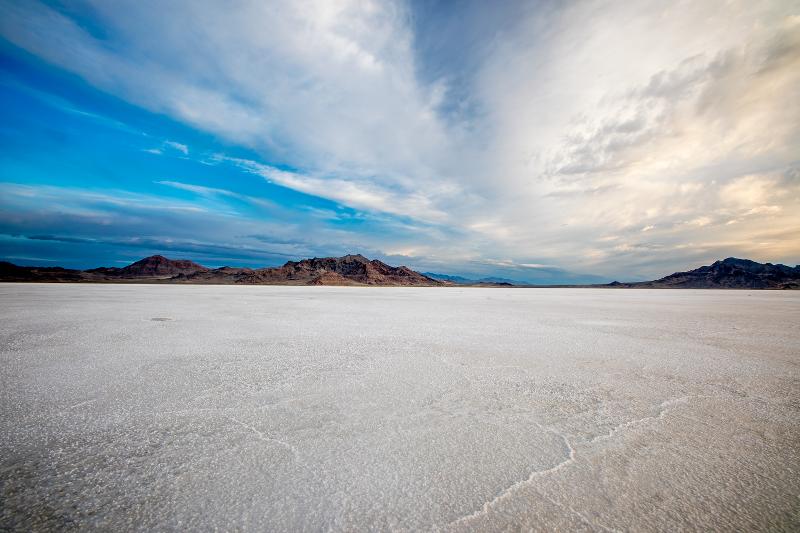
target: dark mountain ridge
461 280
155 266
12 272
730 273
347 270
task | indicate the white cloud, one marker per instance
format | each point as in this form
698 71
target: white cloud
700 221
359 194
211 192
168 146
611 127
322 85
182 148
601 127
534 265
128 219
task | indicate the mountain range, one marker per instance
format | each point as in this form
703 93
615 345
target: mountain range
346 270
730 273
461 280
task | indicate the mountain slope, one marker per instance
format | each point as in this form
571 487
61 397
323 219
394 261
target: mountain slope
12 272
461 280
347 270
155 266
730 273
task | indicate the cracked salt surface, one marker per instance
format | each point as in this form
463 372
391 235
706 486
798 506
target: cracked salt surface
292 408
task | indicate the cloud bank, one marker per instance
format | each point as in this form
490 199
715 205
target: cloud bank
608 137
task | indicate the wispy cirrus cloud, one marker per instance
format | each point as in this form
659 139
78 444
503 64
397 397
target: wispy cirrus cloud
359 194
212 192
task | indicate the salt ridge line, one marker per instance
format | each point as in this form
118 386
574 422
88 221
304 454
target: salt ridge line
581 516
665 406
79 404
486 507
265 438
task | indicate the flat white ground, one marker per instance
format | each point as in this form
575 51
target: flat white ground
291 408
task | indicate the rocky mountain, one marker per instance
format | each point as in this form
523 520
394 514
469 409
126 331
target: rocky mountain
730 273
461 280
347 270
156 266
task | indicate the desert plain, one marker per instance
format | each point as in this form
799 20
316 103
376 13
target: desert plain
153 407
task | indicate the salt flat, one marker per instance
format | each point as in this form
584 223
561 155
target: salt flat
127 407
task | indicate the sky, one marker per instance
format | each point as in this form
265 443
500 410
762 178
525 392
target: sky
539 141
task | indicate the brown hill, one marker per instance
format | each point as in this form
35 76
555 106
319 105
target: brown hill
330 278
156 266
730 273
216 275
355 268
347 270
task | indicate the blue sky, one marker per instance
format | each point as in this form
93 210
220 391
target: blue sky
537 141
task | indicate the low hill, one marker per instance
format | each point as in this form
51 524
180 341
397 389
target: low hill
730 273
12 272
155 266
482 282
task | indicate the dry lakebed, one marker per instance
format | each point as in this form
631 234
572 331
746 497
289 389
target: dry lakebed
164 407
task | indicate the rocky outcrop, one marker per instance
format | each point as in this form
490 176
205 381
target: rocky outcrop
730 273
346 270
155 266
331 278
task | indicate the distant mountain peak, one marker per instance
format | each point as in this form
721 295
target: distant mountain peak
354 257
355 269
352 267
154 266
739 262
733 273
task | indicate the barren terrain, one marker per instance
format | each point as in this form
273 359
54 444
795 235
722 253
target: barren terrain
141 407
